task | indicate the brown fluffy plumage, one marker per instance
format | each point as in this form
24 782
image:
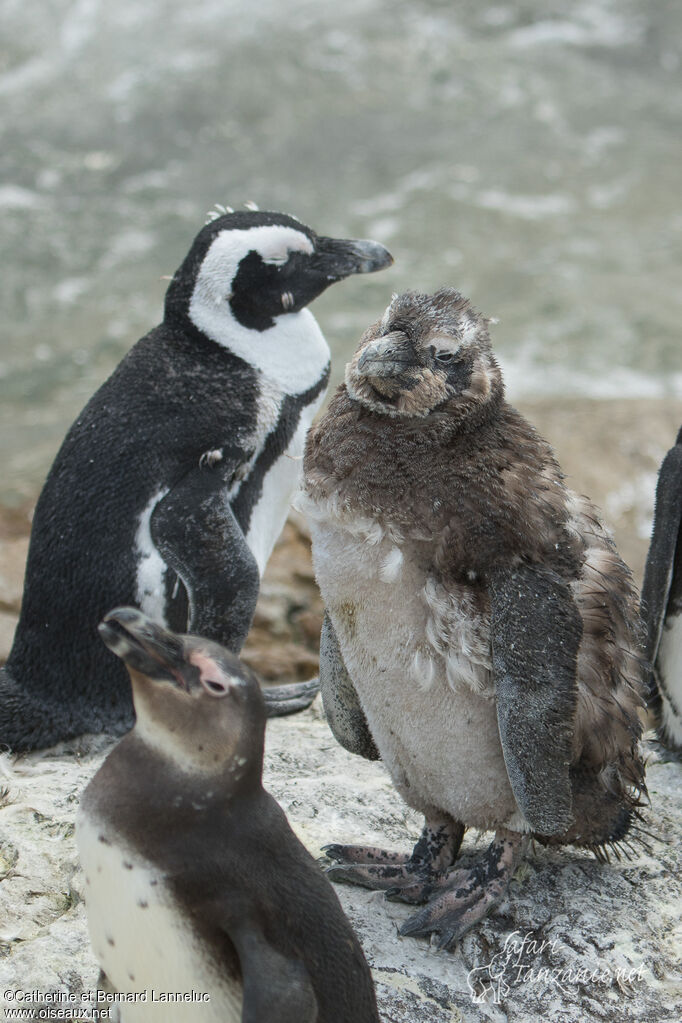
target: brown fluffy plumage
421 442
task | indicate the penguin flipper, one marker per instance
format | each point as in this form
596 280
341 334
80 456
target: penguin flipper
341 704
660 562
197 534
290 697
274 985
536 630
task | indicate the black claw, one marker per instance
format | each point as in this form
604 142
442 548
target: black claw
413 932
333 851
414 927
398 894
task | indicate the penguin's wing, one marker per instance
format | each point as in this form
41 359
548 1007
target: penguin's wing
536 629
197 534
341 704
275 987
660 561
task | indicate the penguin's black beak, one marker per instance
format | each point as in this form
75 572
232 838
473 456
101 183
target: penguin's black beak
387 356
340 257
145 646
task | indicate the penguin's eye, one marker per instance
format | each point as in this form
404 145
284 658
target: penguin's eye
444 357
213 687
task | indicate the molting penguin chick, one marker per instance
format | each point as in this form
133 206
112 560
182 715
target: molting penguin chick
662 602
481 632
194 880
172 486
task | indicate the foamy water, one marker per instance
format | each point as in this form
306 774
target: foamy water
527 154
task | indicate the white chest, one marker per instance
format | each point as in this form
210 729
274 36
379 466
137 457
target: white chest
669 667
275 490
279 485
419 657
150 574
143 942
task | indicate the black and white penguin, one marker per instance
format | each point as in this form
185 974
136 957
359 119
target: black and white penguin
481 632
172 486
662 602
194 882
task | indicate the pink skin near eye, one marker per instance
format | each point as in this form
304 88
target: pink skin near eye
210 674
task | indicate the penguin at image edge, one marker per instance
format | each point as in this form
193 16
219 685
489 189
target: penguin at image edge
172 486
194 881
662 602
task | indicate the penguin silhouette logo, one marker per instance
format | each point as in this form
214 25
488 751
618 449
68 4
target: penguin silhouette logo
172 486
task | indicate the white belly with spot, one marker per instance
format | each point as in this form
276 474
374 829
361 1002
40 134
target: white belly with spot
150 582
143 942
419 657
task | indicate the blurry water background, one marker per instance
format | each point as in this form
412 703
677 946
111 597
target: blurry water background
528 153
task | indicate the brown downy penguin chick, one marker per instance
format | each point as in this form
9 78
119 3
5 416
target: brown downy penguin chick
195 883
481 633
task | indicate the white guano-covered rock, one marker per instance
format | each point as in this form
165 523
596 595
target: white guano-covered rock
574 940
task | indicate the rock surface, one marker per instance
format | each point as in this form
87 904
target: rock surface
573 941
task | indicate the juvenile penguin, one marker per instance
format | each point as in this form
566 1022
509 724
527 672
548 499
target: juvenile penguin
662 602
481 632
194 882
172 486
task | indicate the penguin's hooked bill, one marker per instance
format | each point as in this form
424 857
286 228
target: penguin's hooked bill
388 356
145 646
342 257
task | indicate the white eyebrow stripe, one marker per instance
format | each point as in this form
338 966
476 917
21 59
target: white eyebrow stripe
221 262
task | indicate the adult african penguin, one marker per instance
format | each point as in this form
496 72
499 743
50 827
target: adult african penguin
481 635
172 485
195 884
662 602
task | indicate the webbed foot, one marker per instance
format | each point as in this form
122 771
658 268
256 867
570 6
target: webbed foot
470 894
417 872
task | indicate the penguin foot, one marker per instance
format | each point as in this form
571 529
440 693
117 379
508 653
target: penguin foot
416 894
418 873
363 854
290 698
470 894
379 876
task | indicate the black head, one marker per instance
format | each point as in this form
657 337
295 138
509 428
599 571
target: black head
428 353
194 701
255 266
